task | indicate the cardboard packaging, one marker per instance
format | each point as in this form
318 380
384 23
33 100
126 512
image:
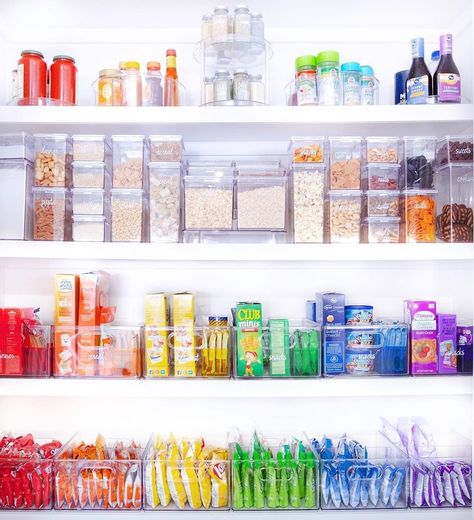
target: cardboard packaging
184 342
11 342
156 336
447 358
248 322
330 309
464 335
279 347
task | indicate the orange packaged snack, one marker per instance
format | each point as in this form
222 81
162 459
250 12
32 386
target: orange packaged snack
420 215
310 153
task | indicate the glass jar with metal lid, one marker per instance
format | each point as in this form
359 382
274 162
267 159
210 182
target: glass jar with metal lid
109 88
241 85
242 23
222 86
220 23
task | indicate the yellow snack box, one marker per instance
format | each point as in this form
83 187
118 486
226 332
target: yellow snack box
156 336
184 341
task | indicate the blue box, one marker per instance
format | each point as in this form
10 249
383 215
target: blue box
311 310
330 308
334 350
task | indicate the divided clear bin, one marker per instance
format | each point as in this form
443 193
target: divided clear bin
381 177
382 149
17 146
101 475
417 171
345 161
49 213
380 349
377 230
196 481
89 147
87 201
196 351
166 148
51 160
88 174
418 214
126 215
454 202
345 208
307 149
128 158
88 228
454 149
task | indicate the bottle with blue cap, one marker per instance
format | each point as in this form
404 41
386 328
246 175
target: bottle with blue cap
350 83
419 82
367 85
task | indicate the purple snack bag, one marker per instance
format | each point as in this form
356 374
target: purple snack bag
417 485
447 485
426 489
464 335
447 359
457 488
463 481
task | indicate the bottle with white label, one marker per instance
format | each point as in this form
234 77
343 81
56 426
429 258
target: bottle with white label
446 79
419 84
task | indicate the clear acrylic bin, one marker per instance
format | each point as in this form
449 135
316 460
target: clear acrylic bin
87 201
235 237
454 149
88 228
89 147
126 215
188 352
418 215
307 149
51 160
16 146
105 475
166 148
284 349
380 349
197 482
49 213
419 162
382 203
88 174
382 149
308 203
101 352
128 157
345 163
345 208
376 230
381 177
454 202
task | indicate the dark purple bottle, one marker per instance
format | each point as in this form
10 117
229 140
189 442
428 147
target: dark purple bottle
464 348
419 81
446 79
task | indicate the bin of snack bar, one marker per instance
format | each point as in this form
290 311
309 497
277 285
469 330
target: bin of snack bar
454 149
49 213
273 474
378 349
128 160
417 172
105 474
126 215
454 202
418 213
381 177
166 148
26 472
17 146
89 147
88 174
345 160
362 472
344 216
307 149
51 160
377 230
185 474
382 149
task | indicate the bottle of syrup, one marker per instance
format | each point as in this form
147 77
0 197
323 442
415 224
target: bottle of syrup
419 84
446 79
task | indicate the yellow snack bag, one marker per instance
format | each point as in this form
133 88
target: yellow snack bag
176 487
190 480
163 489
204 481
224 351
212 354
217 472
151 487
197 447
204 350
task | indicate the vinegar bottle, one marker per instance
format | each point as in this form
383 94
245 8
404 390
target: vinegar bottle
171 80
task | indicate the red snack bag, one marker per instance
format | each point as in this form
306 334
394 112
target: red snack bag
17 489
8 487
49 450
46 470
25 473
37 487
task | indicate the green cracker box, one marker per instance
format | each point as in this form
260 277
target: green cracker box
279 347
248 324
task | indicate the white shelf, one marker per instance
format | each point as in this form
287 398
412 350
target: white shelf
264 388
17 249
243 123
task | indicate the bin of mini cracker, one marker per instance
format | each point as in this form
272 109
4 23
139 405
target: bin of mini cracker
454 202
51 159
49 213
344 216
100 474
189 474
89 147
381 177
307 149
382 149
126 215
166 148
128 159
381 230
418 213
345 163
417 172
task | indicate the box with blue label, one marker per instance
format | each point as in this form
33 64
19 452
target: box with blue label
330 308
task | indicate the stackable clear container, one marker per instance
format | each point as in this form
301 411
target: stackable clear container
98 477
345 163
166 148
87 201
126 215
128 155
88 228
308 202
89 147
381 177
454 202
289 348
345 207
165 197
380 349
51 160
49 213
382 149
454 149
419 161
380 203
307 149
198 351
100 352
418 214
16 146
376 230
88 174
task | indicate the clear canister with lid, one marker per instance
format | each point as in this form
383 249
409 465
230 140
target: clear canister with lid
206 30
327 77
220 24
153 88
207 95
132 85
242 23
257 27
109 88
306 80
222 86
257 89
350 73
367 86
241 86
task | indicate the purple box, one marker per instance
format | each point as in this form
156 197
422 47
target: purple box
421 315
447 359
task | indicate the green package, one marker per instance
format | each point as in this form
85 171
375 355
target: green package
247 481
297 354
301 469
283 500
248 323
279 347
293 484
314 343
310 495
271 489
258 496
238 498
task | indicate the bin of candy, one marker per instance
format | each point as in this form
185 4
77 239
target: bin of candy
366 350
26 472
273 474
106 474
362 472
185 475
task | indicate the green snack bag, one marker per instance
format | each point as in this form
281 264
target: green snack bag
247 482
306 354
314 345
301 468
238 498
248 323
283 482
279 347
258 496
271 489
310 498
297 354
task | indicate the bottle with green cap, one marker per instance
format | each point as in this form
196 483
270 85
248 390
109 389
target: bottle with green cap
306 80
327 74
350 72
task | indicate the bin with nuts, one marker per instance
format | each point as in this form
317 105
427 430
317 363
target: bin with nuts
381 177
165 196
127 153
89 147
49 213
344 216
381 230
382 149
418 164
50 160
382 203
126 215
419 215
307 149
88 174
344 163
166 148
308 203
454 149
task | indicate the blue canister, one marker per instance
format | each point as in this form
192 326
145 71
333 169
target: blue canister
359 314
361 350
400 87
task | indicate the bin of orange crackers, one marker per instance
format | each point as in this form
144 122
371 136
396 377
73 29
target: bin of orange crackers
105 474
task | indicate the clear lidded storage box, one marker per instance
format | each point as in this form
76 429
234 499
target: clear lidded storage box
88 174
345 162
89 147
126 215
49 213
419 162
381 176
51 160
345 207
382 149
418 212
454 149
380 203
17 146
166 148
87 201
128 159
377 230
88 228
307 149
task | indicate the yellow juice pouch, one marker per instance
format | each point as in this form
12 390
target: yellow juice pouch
217 472
190 479
156 336
173 475
184 341
204 480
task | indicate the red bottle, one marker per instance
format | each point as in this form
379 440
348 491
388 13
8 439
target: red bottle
62 79
32 74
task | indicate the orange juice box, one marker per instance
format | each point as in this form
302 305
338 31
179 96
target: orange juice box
184 341
156 336
66 294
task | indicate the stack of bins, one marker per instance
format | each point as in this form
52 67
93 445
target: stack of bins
418 195
380 182
127 195
345 196
89 182
308 190
164 188
50 192
454 186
